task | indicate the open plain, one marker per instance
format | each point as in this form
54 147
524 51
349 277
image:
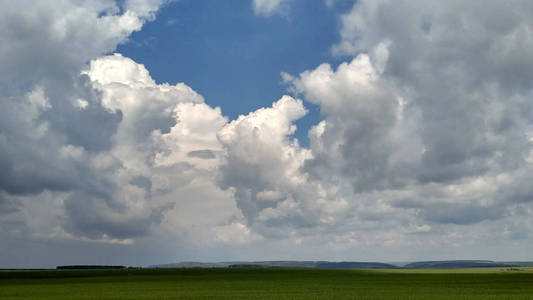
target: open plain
269 283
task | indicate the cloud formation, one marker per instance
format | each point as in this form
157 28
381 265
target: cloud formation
433 113
89 151
426 131
427 128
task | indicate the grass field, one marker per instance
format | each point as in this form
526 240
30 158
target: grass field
268 283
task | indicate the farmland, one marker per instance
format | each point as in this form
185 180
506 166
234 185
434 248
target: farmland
269 283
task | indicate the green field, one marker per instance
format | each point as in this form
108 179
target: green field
268 283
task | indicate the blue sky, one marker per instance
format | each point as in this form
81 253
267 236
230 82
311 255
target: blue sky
233 57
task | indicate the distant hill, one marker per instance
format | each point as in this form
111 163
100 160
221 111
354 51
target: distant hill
519 263
444 264
192 264
247 266
355 265
280 263
457 264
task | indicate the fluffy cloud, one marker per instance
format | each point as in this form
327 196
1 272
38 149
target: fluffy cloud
426 129
95 152
433 114
269 7
261 161
41 90
56 38
367 126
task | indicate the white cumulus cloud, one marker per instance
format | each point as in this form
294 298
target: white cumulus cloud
269 7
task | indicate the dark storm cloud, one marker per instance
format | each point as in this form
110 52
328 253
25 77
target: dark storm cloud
96 218
36 127
90 127
142 182
205 154
7 206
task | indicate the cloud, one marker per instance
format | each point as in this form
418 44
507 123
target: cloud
164 146
205 154
40 90
430 109
426 132
366 135
161 126
260 156
55 39
94 151
269 7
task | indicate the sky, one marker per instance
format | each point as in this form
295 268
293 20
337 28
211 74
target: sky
233 57
141 132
